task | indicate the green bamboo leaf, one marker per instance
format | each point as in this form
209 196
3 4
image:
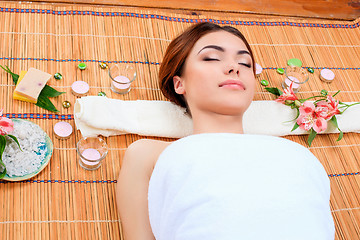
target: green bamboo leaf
45 103
14 76
2 148
4 69
274 91
2 145
50 92
3 173
311 137
15 139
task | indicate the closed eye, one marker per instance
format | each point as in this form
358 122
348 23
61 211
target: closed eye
246 65
211 59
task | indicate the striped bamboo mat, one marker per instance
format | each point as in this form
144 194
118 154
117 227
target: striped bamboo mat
66 202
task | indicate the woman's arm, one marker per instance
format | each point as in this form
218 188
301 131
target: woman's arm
132 188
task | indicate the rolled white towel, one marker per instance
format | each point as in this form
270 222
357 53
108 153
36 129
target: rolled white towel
96 115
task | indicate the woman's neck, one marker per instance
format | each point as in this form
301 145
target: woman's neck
216 123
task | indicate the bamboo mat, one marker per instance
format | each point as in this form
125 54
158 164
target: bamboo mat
65 201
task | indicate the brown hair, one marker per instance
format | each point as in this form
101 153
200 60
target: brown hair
178 51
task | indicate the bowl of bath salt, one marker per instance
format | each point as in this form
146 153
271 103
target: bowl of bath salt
35 153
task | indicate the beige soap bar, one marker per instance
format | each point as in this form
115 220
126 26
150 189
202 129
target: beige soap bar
32 84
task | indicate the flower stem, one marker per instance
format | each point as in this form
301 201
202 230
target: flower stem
347 106
322 98
336 93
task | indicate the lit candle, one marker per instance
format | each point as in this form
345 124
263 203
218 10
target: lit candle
294 80
91 154
80 88
63 130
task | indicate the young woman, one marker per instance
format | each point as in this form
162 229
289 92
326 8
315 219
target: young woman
219 183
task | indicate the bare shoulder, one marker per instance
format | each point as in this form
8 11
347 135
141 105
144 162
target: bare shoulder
132 187
147 146
144 153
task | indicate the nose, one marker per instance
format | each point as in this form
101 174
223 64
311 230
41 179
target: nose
232 68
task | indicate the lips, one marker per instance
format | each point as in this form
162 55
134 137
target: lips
232 84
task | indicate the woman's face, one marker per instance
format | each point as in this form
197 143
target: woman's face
218 75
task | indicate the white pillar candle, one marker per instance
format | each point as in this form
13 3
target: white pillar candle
80 88
63 130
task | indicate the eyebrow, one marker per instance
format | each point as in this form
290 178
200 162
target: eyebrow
240 52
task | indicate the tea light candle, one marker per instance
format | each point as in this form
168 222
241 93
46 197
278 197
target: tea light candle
121 82
327 75
80 88
294 80
258 69
63 130
91 154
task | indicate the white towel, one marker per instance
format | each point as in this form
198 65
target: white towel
96 115
238 186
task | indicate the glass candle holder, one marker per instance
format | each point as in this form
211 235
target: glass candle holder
91 151
121 78
295 75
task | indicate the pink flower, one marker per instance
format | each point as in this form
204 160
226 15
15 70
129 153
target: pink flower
320 125
307 108
309 119
327 109
305 122
6 125
288 94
